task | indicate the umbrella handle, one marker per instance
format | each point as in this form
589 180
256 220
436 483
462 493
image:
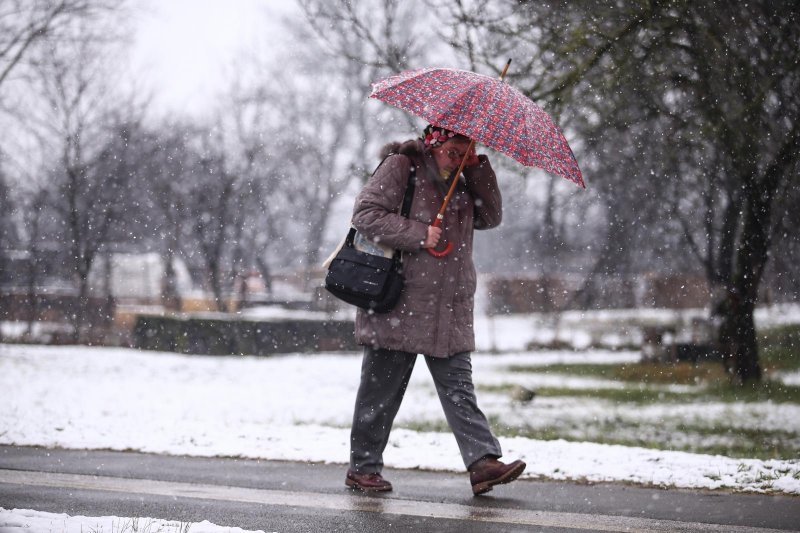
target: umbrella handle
440 215
447 249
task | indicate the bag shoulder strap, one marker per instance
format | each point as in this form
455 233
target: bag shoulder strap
405 207
409 196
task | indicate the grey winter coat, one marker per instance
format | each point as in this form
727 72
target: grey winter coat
435 313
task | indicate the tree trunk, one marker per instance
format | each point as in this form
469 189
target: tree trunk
34 266
265 271
737 332
736 337
216 286
170 298
81 304
550 244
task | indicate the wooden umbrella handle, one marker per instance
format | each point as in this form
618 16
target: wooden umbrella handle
440 216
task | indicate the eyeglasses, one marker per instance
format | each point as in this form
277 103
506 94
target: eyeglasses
455 155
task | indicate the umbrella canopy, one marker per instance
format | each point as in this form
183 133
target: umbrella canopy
485 109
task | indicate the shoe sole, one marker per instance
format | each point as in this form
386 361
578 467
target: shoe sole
508 477
356 486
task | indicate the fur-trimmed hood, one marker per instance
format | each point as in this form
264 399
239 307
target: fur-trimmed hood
411 148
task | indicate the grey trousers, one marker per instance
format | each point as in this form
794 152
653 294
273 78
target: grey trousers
384 378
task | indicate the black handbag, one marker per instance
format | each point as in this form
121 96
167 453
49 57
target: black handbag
372 282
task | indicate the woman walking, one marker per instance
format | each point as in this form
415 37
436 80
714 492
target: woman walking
434 316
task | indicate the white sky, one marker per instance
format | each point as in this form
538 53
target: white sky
183 49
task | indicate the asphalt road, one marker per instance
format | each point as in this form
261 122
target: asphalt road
288 497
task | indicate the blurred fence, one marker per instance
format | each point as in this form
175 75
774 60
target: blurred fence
528 294
225 336
54 306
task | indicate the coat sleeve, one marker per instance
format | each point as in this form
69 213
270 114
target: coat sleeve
377 208
482 185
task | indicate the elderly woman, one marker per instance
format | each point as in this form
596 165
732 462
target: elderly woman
434 316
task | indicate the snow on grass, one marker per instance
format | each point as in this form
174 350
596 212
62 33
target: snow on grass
740 428
789 378
28 521
612 327
299 407
544 412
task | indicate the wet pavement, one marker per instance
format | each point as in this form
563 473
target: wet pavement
288 496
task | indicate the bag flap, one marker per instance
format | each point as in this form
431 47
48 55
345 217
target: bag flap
354 256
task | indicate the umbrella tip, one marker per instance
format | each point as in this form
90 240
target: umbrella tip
505 69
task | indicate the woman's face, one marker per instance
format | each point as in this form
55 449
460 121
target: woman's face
449 155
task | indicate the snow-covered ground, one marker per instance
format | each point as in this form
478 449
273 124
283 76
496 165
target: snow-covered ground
298 407
616 327
29 521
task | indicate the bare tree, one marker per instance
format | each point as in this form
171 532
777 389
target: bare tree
352 45
211 204
368 41
205 205
289 161
263 204
381 35
34 229
166 163
8 231
24 24
298 141
312 172
26 27
74 80
6 227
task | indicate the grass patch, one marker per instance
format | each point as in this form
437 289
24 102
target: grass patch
713 383
648 373
677 374
730 442
437 426
598 371
753 392
639 395
780 348
721 392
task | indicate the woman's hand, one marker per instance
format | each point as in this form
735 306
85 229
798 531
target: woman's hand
472 159
434 234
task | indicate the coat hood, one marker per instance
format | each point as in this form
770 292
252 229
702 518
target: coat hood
411 148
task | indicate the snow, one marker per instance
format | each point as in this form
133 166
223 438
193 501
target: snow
267 312
613 328
29 521
137 276
299 407
789 378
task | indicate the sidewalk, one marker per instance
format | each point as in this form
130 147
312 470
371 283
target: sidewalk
287 496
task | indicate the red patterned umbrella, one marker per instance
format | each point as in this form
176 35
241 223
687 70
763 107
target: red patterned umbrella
486 110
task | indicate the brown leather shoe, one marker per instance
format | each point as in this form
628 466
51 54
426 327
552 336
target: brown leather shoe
367 482
487 472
